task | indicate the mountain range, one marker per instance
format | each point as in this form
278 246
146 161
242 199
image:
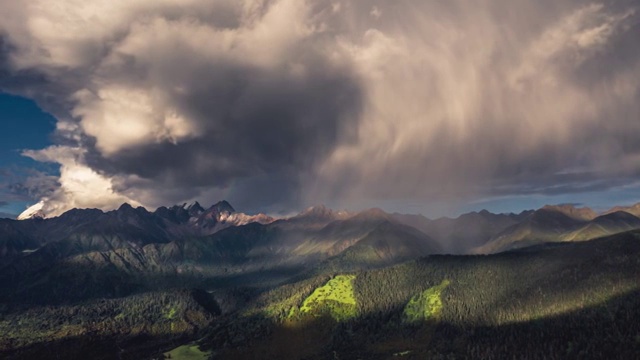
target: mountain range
187 268
474 232
188 243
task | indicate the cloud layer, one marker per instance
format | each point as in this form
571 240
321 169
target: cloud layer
284 103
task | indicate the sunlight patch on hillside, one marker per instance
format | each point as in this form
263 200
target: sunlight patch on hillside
187 352
336 296
425 305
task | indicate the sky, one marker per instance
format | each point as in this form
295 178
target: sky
23 126
417 106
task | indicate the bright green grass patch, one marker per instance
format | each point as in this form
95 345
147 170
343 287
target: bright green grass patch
336 297
425 305
187 352
170 314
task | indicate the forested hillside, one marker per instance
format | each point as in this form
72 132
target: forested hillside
577 300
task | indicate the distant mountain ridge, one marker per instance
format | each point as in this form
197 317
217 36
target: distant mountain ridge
95 230
583 213
474 232
484 232
633 209
561 224
459 235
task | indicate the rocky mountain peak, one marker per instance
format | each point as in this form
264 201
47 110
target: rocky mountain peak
633 209
322 213
317 210
222 207
125 207
375 214
195 209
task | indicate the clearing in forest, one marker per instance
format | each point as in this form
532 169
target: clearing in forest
336 296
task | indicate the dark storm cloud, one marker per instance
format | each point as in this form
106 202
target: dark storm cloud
25 185
32 187
50 92
15 81
253 122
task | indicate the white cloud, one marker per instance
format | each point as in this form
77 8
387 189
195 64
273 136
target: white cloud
119 117
80 186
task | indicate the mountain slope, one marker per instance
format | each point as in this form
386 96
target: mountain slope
94 230
579 214
633 209
558 224
459 235
388 243
120 252
610 223
531 303
544 225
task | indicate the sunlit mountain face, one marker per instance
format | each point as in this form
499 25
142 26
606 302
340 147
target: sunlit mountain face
437 134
